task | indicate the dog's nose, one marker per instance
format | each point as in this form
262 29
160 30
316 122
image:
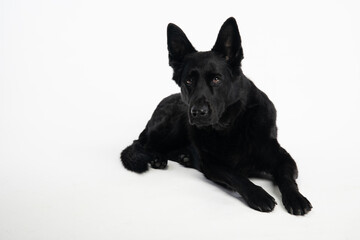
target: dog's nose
199 111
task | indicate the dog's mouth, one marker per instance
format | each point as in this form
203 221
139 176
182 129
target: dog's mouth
203 114
214 119
205 124
199 122
203 121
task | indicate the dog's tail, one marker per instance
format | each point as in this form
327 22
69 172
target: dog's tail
135 158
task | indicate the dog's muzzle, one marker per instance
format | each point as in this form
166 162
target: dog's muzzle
199 115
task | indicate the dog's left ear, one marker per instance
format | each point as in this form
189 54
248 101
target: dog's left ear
228 43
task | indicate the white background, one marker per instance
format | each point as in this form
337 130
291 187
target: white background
80 79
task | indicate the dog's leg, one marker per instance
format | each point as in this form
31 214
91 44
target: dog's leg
142 152
285 172
255 196
186 156
165 133
135 157
146 150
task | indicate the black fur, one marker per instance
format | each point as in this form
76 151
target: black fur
220 124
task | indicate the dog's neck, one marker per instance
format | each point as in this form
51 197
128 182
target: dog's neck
229 116
236 109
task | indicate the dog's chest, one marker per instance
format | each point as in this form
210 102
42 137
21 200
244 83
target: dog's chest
232 149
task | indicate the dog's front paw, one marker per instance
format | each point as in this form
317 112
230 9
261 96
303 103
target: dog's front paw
258 199
185 160
158 162
296 204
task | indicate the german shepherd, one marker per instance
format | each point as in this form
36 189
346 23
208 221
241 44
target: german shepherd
220 124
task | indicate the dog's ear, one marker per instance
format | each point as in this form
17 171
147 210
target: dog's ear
178 45
228 43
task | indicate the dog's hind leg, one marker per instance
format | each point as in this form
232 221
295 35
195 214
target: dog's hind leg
135 158
143 152
165 134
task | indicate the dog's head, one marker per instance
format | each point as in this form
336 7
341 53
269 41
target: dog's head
210 81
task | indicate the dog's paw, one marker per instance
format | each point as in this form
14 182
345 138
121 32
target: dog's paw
158 163
258 199
185 160
296 204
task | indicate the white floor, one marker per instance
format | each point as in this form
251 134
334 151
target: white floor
79 80
82 192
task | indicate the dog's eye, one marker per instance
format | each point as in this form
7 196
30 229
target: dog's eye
189 81
216 81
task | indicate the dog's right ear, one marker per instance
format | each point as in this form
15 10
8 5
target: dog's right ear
228 43
178 46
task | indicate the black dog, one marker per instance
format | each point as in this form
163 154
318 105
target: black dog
220 124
